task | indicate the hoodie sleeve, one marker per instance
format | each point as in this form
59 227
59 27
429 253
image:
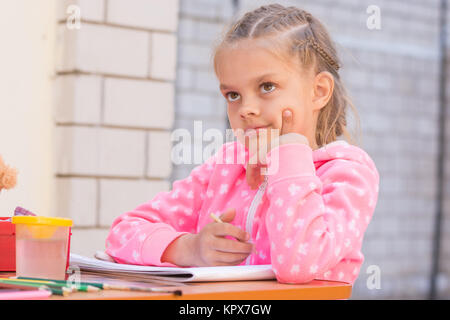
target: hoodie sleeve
142 235
312 222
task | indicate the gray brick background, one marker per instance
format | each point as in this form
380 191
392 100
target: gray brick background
392 75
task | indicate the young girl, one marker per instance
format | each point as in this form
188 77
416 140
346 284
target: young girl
278 70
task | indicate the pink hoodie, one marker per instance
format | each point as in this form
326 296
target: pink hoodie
307 219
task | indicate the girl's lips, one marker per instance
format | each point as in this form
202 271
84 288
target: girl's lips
254 130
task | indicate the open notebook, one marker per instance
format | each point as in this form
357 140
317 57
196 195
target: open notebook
198 274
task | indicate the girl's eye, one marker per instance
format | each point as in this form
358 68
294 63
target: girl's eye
232 96
267 87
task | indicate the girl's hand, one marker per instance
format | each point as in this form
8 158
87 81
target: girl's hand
258 148
209 247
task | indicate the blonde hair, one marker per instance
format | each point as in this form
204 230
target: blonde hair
300 34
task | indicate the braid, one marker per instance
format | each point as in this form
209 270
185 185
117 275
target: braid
323 53
289 20
311 39
308 16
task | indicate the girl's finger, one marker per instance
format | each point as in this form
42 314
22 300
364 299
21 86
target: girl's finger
232 246
287 122
262 146
252 143
227 229
230 258
228 215
258 147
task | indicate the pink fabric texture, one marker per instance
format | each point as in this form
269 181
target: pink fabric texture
309 224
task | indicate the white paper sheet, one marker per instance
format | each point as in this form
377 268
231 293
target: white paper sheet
200 274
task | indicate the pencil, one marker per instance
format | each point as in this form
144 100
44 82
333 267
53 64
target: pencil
56 289
143 289
61 291
29 280
59 283
215 218
92 284
21 287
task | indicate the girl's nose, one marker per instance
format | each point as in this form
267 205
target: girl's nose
249 110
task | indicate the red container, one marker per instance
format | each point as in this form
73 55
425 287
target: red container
7 245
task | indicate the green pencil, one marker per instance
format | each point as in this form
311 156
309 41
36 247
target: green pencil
60 291
80 286
75 286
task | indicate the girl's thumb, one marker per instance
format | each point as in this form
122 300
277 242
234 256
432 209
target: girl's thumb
228 215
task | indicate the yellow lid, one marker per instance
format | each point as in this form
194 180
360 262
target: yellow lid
49 221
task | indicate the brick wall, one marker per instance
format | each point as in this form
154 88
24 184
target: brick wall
114 111
392 75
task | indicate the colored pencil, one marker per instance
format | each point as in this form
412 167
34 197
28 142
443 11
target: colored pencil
60 283
58 290
29 280
215 218
107 286
21 287
61 291
82 284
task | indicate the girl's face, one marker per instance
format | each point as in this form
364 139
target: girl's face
258 86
